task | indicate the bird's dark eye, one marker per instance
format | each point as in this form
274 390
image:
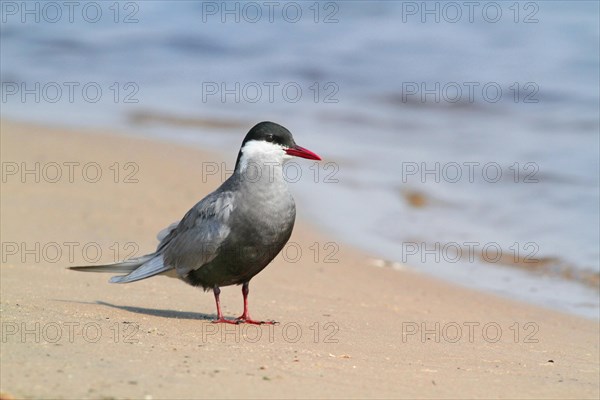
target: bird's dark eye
270 138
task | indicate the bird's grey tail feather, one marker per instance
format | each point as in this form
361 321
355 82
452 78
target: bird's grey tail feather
136 268
124 266
152 267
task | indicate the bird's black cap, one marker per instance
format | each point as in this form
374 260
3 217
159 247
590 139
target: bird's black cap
270 132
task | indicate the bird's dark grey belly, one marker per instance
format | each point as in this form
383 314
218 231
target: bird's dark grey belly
249 248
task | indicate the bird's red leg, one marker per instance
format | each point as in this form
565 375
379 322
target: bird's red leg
220 318
245 317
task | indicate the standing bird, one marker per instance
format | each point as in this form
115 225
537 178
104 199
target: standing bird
234 232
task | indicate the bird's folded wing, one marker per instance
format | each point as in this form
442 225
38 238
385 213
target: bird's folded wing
196 239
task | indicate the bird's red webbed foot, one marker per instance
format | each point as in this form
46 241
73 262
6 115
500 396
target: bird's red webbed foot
222 320
246 319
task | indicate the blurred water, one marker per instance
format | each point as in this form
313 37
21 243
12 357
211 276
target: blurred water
360 67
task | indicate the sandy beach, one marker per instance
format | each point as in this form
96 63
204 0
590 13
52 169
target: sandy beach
347 327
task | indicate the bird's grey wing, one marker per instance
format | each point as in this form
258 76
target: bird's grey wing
184 245
197 238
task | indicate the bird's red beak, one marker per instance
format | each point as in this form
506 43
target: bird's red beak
298 151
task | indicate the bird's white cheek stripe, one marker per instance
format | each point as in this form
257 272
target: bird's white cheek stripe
261 153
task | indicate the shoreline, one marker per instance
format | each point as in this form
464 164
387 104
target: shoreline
154 333
540 279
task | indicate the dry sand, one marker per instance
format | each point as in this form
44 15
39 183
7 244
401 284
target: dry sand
347 329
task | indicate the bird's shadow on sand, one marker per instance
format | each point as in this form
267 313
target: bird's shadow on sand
155 312
161 313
